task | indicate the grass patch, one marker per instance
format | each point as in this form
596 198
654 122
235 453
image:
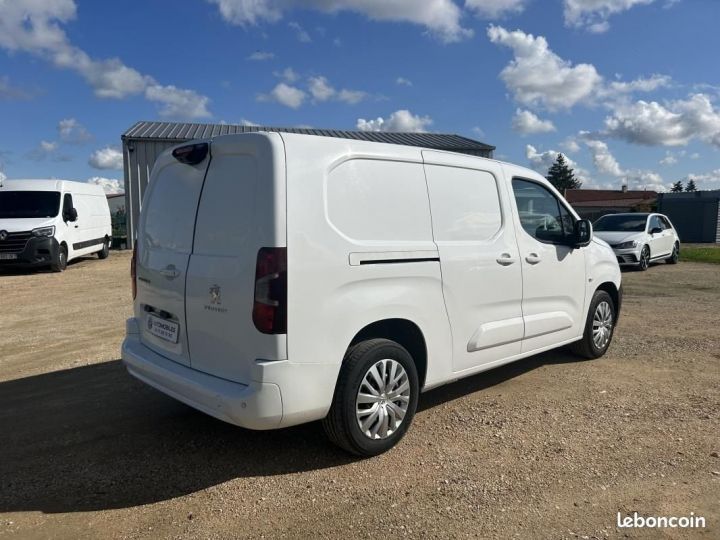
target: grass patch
700 254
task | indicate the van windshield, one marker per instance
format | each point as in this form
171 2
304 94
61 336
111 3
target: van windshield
621 223
29 204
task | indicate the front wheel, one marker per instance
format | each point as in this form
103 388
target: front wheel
599 327
673 259
105 251
644 262
375 398
60 262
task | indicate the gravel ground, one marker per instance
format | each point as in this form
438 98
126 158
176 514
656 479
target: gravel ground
550 447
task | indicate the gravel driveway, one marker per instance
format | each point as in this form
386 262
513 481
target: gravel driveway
549 447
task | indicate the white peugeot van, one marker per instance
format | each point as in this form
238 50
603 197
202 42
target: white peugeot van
50 222
284 278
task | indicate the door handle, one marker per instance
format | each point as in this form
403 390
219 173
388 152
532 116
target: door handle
170 272
533 258
505 259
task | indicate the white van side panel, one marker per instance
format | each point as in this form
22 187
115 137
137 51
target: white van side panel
345 199
93 223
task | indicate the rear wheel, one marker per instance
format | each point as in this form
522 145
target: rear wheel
375 398
599 327
60 262
644 262
673 259
105 251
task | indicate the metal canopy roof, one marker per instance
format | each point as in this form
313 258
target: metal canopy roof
179 132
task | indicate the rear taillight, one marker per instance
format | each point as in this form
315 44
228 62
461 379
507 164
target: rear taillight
270 307
133 271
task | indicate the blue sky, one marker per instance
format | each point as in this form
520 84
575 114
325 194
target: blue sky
629 90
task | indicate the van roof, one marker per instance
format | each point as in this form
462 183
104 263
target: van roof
51 185
181 132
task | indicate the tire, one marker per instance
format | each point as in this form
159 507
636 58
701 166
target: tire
644 262
60 262
105 251
588 347
673 259
342 423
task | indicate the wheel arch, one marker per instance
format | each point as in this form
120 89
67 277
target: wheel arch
405 333
615 294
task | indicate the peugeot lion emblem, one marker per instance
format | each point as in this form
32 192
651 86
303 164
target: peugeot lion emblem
215 295
3 235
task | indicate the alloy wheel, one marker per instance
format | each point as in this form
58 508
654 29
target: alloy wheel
602 325
382 399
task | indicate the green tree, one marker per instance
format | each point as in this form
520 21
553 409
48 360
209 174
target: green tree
562 176
690 186
677 187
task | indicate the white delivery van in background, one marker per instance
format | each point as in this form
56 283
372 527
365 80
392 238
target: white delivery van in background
284 278
51 222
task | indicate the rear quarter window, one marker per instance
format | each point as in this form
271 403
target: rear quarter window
379 201
465 204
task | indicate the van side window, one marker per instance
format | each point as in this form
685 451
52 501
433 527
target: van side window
541 214
465 204
665 223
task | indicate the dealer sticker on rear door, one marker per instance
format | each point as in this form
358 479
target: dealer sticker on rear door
163 328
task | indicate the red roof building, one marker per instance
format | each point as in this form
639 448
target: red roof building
593 203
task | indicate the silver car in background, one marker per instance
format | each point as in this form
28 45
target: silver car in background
639 239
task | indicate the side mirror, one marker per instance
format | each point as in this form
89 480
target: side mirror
656 230
582 233
70 215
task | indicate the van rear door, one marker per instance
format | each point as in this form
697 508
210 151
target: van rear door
242 210
167 223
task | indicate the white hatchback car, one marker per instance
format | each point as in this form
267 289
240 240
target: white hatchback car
639 239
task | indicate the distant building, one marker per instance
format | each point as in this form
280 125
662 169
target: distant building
695 215
116 201
593 203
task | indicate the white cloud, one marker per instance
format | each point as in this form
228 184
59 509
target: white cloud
402 120
477 130
300 32
177 102
649 84
73 132
35 27
604 161
285 94
440 17
3 177
402 81
538 77
526 122
351 97
288 75
673 124
321 89
261 56
47 146
493 9
570 145
669 159
593 15
110 185
107 158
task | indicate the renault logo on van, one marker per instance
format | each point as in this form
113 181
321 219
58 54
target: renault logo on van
3 235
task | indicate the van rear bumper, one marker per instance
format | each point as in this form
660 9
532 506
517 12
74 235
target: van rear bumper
255 405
